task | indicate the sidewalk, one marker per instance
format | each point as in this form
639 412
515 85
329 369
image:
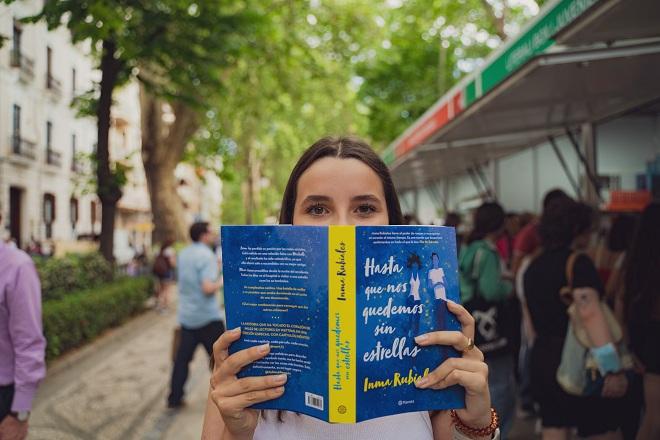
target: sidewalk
116 388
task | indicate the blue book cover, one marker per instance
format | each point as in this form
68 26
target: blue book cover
340 307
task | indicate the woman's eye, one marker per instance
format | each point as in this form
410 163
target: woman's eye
317 210
366 209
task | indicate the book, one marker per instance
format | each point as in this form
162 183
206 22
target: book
340 307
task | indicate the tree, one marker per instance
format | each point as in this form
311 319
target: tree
293 87
424 48
169 38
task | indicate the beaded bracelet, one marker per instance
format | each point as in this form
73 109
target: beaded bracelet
476 432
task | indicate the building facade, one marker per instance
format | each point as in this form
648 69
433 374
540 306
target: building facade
41 139
47 193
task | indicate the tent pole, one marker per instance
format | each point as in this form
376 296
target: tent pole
562 161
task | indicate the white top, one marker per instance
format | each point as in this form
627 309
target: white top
414 287
437 275
415 425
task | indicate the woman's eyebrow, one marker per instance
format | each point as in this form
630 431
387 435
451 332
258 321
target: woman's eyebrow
366 198
316 198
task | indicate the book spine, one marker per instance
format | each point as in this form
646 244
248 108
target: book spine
341 324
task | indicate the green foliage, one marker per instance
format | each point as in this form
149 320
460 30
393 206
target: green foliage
62 276
422 49
293 87
81 316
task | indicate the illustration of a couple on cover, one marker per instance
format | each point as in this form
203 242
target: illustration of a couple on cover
420 292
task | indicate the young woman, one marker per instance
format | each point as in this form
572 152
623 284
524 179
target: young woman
341 181
642 313
565 225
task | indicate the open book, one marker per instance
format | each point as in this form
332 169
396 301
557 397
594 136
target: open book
340 307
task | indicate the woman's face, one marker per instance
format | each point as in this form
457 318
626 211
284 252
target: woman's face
336 191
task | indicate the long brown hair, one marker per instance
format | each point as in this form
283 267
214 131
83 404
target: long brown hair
342 147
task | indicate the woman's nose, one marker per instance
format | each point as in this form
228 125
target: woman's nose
342 219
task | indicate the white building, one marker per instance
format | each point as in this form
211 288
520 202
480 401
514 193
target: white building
40 137
45 191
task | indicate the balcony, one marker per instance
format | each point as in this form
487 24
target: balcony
53 158
54 86
23 148
25 64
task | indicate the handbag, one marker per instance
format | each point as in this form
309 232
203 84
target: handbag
578 372
492 333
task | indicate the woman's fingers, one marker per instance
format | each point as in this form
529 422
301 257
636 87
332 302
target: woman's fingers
221 345
464 317
232 406
475 383
253 383
439 378
233 364
455 339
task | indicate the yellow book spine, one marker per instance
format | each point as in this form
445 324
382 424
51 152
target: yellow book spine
341 324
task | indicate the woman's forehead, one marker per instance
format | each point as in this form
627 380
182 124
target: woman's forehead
339 178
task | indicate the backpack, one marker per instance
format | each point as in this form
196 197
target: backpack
578 372
493 320
161 266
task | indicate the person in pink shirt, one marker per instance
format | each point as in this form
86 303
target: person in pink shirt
22 344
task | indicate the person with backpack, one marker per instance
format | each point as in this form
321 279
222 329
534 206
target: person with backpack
557 277
163 269
486 295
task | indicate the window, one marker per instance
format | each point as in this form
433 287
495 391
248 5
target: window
73 153
73 212
49 214
16 135
16 44
92 212
49 136
49 65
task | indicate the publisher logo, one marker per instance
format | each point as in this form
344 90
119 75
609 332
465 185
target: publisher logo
405 402
341 409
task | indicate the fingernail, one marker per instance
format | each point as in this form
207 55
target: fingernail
280 378
264 348
421 383
236 330
451 303
279 389
421 338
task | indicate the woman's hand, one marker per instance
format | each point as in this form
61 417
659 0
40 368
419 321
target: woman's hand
469 371
232 395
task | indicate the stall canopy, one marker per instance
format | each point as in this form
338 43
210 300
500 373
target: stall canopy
579 61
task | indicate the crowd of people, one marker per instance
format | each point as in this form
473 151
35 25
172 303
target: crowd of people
568 315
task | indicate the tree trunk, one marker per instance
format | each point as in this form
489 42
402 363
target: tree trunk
108 188
249 185
162 149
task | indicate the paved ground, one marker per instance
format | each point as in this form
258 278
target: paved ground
116 387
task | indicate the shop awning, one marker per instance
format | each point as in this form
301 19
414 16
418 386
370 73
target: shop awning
533 88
